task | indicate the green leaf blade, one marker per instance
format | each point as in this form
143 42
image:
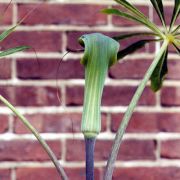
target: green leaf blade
133 47
130 35
160 72
6 33
176 12
13 50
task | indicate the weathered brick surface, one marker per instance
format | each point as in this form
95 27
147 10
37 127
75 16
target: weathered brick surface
166 173
114 96
26 150
36 96
148 122
62 14
54 123
145 150
40 41
129 69
4 123
5 174
36 173
5 69
6 13
7 92
49 69
168 152
170 96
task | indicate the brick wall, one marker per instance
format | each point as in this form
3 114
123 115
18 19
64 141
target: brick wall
151 145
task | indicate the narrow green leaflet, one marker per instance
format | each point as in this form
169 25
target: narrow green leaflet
6 33
14 50
129 35
176 29
159 73
117 12
158 6
175 13
133 47
177 48
140 15
131 8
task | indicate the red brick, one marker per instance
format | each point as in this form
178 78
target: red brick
149 122
170 96
137 150
168 14
74 95
112 96
120 21
36 96
5 174
5 69
144 150
116 96
6 92
37 173
79 173
129 69
63 14
141 173
40 41
4 123
26 150
173 69
7 16
170 149
54 123
47 69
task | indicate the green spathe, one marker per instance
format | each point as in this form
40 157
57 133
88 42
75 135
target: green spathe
100 53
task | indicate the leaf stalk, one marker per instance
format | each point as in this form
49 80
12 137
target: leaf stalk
129 111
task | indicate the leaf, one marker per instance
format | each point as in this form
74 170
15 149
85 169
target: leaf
112 11
158 6
129 35
175 13
13 50
124 14
159 73
176 29
140 15
133 47
131 8
6 33
177 48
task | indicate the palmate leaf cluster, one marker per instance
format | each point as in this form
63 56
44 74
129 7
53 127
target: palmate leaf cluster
6 33
169 32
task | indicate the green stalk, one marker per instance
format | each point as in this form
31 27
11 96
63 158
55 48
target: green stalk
39 138
128 114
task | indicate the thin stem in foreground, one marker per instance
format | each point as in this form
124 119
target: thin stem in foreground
128 114
39 138
90 144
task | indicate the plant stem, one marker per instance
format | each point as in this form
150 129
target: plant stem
90 144
128 114
39 138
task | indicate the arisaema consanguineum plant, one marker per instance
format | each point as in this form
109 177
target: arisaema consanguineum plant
167 35
11 51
